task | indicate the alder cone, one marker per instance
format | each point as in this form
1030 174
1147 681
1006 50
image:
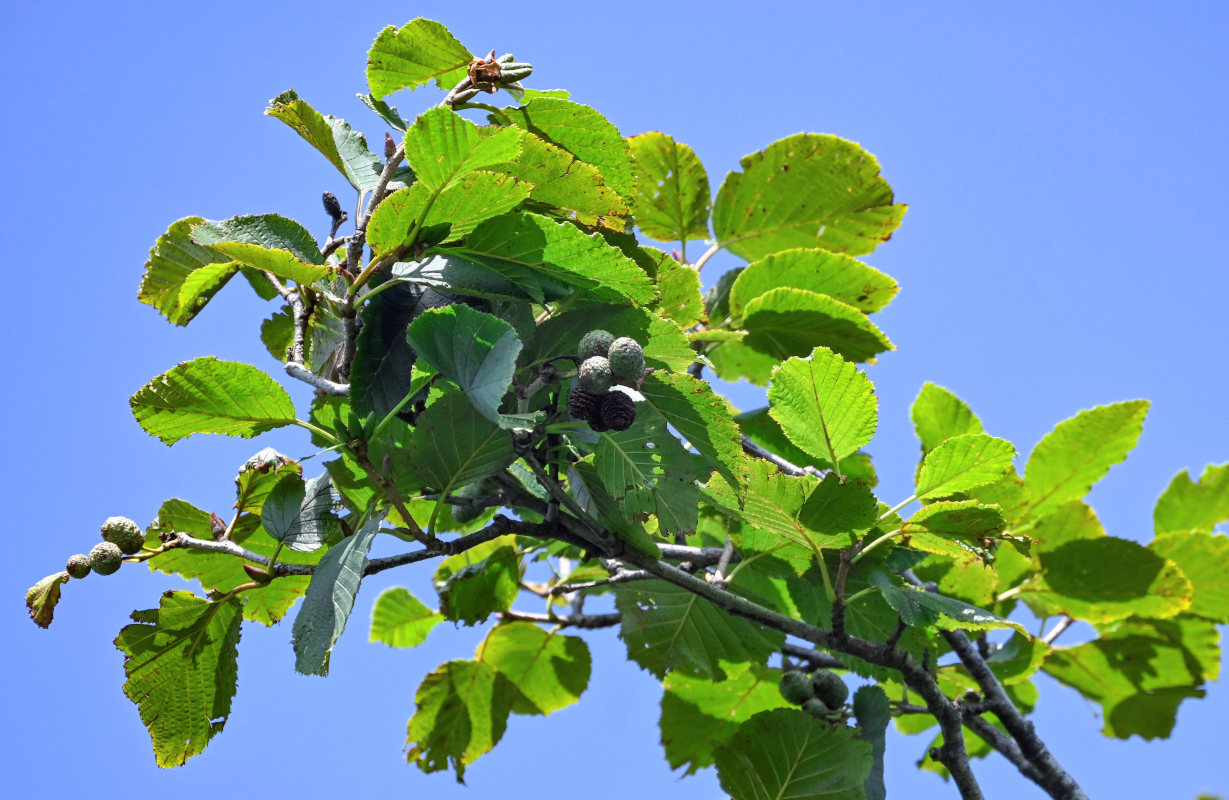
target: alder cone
618 411
581 404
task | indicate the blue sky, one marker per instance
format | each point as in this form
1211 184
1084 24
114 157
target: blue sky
1065 247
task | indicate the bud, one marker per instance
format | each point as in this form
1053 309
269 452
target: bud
331 206
390 145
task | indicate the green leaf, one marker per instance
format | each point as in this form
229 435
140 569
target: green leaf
938 415
837 506
386 112
549 670
564 182
42 597
807 190
181 667
453 445
1194 507
329 600
479 582
298 514
561 251
870 706
581 131
962 463
1075 580
411 56
619 519
768 504
445 214
267 231
671 197
400 620
925 609
697 713
443 146
681 299
787 753
281 263
462 713
1141 671
938 527
824 405
344 147
474 350
791 322
175 258
1205 562
667 628
277 333
1079 451
206 395
700 416
380 376
836 275
221 572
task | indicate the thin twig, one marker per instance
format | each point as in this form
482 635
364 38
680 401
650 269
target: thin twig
325 385
584 621
815 658
622 576
1062 625
751 448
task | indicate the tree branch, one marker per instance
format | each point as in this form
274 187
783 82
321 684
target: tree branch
751 448
324 385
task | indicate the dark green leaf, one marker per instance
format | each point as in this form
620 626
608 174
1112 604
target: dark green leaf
454 445
787 753
329 600
277 333
1079 451
671 197
400 620
925 609
180 662
870 706
298 514
206 395
807 190
411 56
667 628
496 281
386 112
476 351
381 374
